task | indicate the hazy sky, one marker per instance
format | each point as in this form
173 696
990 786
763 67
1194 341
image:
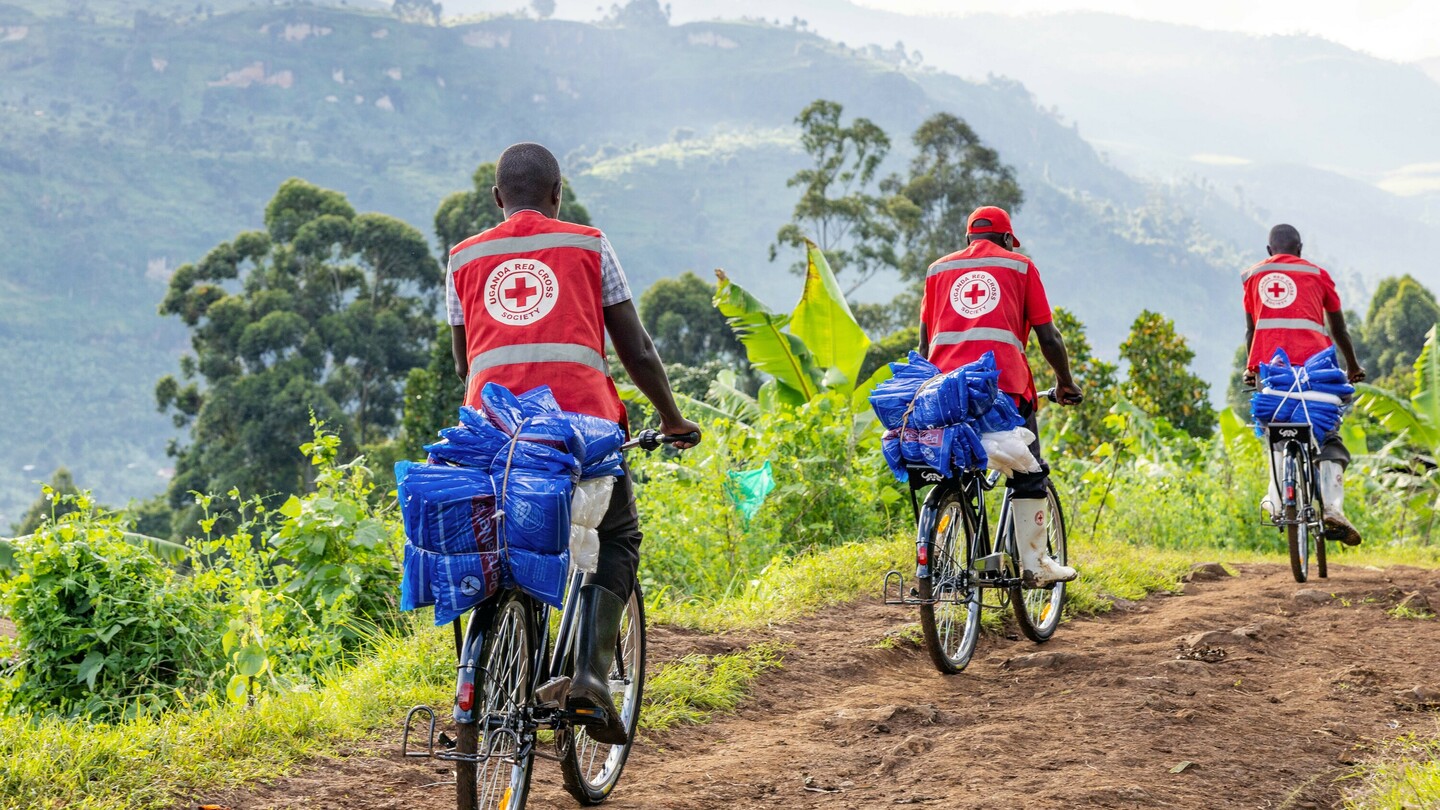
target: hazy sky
1401 30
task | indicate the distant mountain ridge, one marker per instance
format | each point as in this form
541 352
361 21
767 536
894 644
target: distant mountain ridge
168 137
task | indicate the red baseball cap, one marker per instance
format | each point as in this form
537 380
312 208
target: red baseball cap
999 222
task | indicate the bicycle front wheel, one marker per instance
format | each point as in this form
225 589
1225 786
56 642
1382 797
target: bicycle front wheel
1037 610
499 738
950 616
592 769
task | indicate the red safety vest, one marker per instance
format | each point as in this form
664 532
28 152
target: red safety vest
1288 297
975 302
531 292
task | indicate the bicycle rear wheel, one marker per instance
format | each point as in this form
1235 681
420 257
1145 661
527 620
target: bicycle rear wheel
501 781
950 623
1037 610
1297 535
592 769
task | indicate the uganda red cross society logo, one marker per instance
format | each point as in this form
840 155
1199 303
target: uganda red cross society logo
521 291
975 294
1277 290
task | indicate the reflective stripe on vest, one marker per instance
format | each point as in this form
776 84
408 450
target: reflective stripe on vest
536 353
1279 267
966 264
523 244
1289 323
978 333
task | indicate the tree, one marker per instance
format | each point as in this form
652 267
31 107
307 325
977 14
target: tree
952 174
1159 380
433 394
639 14
466 213
836 208
427 12
1400 315
51 505
1083 426
544 9
324 312
687 328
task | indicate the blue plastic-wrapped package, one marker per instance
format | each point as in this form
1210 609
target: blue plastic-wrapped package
1313 393
462 581
496 506
540 575
944 415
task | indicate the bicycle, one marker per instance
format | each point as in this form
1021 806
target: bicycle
950 583
511 686
1300 513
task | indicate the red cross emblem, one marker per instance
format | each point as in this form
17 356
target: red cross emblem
521 291
1276 290
975 293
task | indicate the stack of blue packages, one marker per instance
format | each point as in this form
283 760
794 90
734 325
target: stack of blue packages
1315 392
492 506
935 419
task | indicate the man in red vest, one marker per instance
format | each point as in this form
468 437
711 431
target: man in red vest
1288 304
530 302
988 298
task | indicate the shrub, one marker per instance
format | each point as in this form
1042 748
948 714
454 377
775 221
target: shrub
104 629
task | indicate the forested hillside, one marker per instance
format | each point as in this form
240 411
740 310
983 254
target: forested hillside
127 149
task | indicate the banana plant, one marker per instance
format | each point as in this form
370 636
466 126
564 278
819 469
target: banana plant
816 348
1410 464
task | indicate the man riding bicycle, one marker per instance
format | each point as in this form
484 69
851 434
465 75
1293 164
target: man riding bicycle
1288 304
530 302
988 298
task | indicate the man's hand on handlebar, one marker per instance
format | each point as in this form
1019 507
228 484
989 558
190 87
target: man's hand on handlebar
1357 374
681 427
1068 394
1250 378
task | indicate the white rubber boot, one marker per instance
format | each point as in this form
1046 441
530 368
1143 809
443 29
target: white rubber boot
1029 515
1270 504
1332 492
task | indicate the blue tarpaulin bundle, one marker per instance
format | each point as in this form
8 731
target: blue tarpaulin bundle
1314 392
492 506
937 419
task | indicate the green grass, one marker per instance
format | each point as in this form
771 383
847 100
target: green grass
1404 775
692 689
53 762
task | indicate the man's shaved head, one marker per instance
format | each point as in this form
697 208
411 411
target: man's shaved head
527 175
1285 239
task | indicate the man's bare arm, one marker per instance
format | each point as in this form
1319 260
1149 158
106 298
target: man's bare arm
457 350
637 353
924 340
1052 345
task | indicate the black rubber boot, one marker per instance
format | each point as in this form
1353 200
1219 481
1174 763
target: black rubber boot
599 626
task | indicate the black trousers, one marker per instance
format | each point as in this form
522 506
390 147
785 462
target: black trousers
1334 450
620 538
1030 485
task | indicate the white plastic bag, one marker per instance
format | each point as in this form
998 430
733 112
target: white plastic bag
1009 451
587 508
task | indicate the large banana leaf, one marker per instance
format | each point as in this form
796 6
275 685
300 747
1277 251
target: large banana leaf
824 321
169 551
730 398
7 558
693 408
1397 416
1426 398
860 400
1232 427
770 349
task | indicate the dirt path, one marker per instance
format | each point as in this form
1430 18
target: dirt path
1266 688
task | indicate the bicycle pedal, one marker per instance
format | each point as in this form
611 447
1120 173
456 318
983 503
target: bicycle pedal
445 741
553 692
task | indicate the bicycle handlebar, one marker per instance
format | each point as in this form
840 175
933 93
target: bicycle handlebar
648 440
1051 395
